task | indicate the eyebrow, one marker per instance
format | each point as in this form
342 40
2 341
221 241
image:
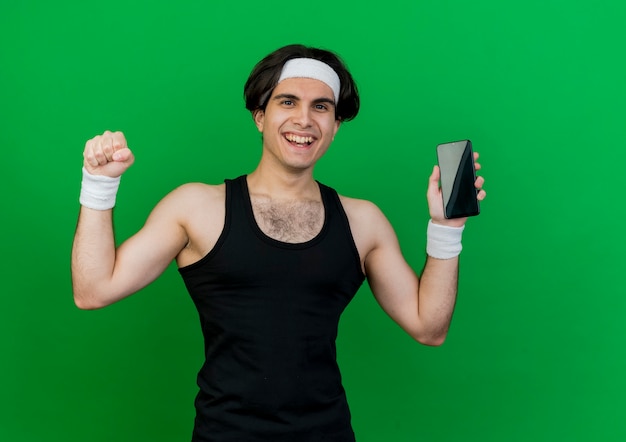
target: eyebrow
296 98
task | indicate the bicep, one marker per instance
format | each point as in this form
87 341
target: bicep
393 282
144 256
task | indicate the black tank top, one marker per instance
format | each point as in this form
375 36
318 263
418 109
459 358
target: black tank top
269 313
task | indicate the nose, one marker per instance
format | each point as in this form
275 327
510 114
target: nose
302 116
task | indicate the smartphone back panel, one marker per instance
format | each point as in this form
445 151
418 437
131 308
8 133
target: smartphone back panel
456 164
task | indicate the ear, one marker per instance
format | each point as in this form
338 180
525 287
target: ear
337 125
259 118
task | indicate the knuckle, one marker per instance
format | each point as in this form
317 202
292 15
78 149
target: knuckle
99 156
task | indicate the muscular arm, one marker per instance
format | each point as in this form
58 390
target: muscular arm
422 306
101 273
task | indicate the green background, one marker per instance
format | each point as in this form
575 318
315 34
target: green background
537 349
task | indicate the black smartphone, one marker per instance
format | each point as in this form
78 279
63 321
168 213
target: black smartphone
456 163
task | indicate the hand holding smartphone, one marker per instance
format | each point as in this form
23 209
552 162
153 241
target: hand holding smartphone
458 175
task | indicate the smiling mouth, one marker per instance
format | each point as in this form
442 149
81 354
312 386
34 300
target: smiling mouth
300 141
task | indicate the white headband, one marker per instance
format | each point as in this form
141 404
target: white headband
311 68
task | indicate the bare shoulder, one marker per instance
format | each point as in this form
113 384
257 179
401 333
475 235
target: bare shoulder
191 192
188 199
359 209
195 201
362 213
368 224
200 211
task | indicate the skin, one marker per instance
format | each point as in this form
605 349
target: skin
186 224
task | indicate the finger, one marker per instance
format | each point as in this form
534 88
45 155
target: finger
100 149
111 142
106 147
434 176
118 141
95 152
481 195
123 155
433 180
479 183
433 195
476 155
88 154
477 166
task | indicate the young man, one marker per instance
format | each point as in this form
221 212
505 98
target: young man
270 259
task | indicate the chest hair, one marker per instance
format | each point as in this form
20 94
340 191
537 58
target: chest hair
288 221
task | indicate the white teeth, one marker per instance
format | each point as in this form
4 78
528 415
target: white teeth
299 140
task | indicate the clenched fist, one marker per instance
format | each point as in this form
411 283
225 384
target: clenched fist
108 154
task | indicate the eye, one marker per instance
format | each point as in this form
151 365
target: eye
287 102
321 107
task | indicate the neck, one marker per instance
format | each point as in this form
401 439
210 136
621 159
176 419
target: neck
282 184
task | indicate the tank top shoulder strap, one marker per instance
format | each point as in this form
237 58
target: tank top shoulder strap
235 197
332 202
337 216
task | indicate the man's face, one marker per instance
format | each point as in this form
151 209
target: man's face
298 123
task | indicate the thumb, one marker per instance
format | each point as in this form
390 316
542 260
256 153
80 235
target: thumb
122 160
433 181
123 155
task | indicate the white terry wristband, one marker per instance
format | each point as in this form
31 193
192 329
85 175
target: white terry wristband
443 242
98 191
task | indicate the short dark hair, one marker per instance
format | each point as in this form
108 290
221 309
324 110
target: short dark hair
264 78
